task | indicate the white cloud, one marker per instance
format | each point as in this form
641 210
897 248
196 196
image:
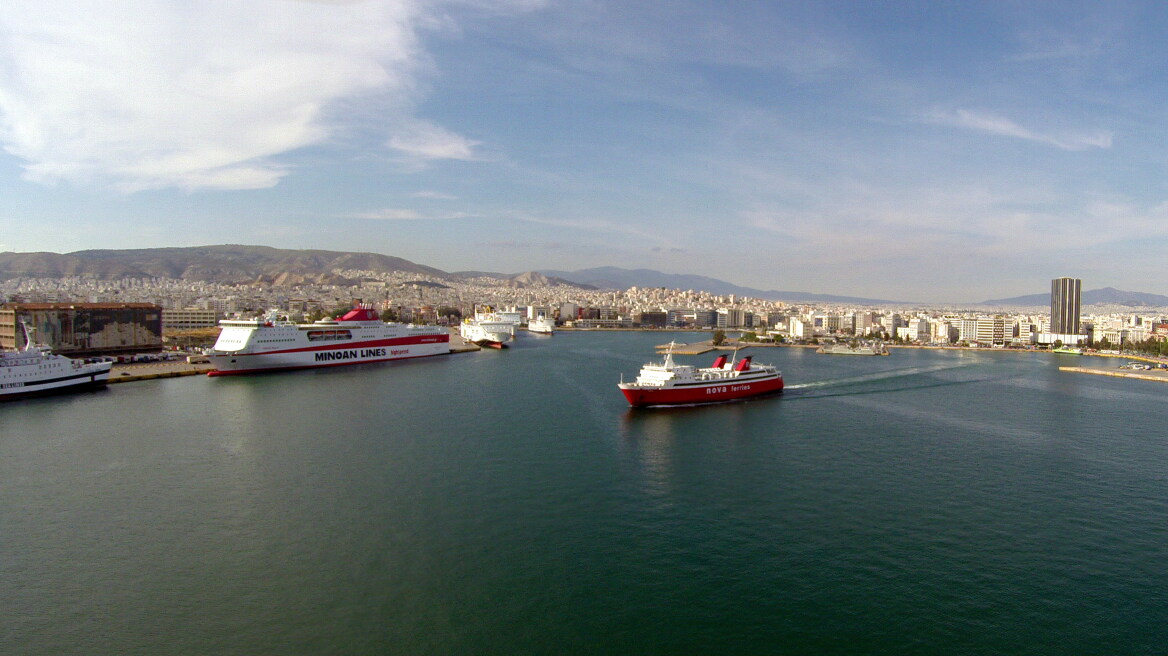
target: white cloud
1002 126
426 140
143 94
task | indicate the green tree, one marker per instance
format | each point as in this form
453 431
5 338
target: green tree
749 336
718 338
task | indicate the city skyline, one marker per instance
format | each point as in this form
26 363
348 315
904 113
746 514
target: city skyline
923 153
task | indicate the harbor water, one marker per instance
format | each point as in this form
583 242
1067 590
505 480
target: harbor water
509 502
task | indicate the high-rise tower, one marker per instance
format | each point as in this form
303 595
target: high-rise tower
1064 305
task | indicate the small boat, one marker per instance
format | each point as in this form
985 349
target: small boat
669 383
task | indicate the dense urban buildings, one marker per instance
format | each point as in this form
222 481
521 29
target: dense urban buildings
411 297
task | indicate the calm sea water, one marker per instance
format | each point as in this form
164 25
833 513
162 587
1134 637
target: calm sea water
510 503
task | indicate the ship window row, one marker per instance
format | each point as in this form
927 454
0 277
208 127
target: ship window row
328 335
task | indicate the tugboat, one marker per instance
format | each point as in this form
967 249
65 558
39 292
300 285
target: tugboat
668 383
34 369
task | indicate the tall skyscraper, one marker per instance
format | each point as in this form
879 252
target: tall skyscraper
1064 305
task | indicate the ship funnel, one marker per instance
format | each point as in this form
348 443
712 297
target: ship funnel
743 364
720 362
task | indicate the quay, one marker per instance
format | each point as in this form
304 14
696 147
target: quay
1158 375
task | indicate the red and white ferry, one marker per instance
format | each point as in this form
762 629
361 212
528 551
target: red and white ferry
360 336
668 383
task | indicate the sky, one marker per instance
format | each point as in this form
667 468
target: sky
927 151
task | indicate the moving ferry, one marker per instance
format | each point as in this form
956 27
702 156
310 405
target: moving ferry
668 383
358 337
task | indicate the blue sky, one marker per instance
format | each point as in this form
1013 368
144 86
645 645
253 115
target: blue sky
929 151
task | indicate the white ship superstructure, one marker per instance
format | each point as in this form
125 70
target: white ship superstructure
359 336
542 325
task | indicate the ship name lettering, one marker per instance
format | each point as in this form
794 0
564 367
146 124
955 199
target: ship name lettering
325 356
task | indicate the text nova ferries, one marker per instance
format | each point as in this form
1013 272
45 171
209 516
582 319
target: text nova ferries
360 336
668 383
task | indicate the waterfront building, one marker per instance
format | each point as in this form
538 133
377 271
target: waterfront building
918 329
650 319
189 319
80 329
799 329
991 331
966 329
1065 296
705 318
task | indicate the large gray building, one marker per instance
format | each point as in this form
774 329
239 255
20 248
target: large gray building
1064 305
80 329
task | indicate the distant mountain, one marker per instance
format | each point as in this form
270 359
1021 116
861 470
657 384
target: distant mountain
617 278
1105 296
520 280
226 264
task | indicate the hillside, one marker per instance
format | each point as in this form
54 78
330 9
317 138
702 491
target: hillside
225 264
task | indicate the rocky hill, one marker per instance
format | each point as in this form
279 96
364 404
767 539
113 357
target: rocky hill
225 264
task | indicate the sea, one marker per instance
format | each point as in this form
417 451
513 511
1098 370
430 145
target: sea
509 502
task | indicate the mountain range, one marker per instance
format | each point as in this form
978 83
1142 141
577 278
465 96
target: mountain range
1104 296
236 264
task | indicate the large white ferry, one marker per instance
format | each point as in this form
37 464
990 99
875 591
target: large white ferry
34 369
358 337
486 329
669 383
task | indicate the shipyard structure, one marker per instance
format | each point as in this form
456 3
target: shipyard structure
84 329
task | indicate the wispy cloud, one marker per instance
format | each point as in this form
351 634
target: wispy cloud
427 141
1002 126
138 94
402 214
433 195
526 245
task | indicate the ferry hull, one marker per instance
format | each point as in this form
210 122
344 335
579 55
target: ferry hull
229 364
715 393
77 381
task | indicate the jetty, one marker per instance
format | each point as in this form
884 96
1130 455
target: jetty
1158 375
697 348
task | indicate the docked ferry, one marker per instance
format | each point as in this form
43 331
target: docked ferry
668 383
358 337
34 370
